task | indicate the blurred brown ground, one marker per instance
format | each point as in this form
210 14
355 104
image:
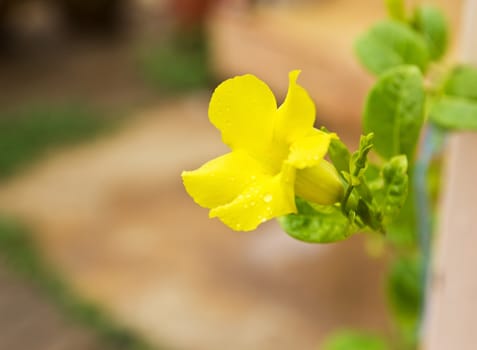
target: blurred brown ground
30 321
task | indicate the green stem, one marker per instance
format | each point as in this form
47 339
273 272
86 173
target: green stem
346 197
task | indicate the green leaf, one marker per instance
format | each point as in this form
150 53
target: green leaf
394 111
432 24
354 340
339 155
454 113
395 186
317 224
396 9
390 44
462 82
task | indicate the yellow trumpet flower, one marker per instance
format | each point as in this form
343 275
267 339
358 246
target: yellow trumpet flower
275 154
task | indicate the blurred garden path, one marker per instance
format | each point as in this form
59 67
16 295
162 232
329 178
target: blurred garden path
113 217
30 321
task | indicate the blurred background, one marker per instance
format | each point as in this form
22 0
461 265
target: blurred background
102 104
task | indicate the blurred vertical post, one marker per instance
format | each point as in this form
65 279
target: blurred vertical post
452 312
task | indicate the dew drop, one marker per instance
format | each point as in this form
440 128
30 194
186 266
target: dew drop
267 198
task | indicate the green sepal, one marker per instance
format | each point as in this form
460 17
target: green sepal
354 340
359 159
359 199
431 23
367 209
350 179
454 113
369 216
317 223
389 44
394 111
339 155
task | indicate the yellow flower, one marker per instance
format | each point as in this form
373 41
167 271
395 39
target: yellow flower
275 153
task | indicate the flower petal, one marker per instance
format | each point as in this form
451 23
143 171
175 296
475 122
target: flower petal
222 179
244 109
265 199
297 113
310 149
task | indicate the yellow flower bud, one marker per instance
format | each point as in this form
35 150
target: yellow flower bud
319 184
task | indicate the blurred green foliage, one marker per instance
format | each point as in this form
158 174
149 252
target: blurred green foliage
431 23
405 294
33 131
455 108
389 44
415 39
353 340
178 64
462 82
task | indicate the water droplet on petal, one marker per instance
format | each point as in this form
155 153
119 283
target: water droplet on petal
267 198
